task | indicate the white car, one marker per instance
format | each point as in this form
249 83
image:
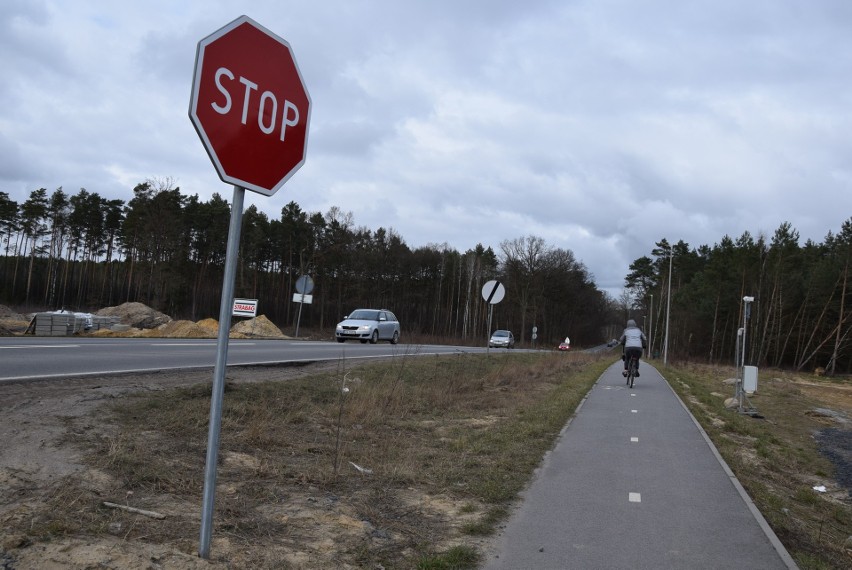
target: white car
502 339
368 325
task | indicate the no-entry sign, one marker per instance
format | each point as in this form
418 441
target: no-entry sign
250 106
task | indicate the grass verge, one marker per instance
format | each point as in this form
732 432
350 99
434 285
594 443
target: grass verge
400 464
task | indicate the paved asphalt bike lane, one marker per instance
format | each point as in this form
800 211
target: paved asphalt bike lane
635 483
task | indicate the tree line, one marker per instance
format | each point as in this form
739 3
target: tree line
165 249
800 316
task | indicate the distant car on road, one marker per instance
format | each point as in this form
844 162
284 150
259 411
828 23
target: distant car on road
502 339
565 344
611 343
368 325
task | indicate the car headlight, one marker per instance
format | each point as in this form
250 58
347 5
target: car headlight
365 327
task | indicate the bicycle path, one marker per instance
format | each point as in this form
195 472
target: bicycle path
634 482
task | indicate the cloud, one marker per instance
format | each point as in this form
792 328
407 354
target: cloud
600 126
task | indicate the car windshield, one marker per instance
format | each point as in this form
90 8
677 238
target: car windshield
364 315
501 333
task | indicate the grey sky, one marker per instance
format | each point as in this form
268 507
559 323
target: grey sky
601 126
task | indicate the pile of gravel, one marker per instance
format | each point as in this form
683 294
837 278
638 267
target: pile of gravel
137 315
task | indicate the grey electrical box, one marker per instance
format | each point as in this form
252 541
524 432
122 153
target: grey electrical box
750 379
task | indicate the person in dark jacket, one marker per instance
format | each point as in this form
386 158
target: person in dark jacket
633 340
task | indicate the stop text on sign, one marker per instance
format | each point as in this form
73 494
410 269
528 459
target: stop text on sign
250 106
267 108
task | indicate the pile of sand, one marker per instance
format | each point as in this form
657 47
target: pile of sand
180 329
140 320
137 315
8 314
12 323
257 327
210 325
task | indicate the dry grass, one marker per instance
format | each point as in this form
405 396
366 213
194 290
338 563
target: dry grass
443 444
448 443
779 458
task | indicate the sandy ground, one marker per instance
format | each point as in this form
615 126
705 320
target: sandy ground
35 456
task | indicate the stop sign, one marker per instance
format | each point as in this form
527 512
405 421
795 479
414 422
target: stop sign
250 106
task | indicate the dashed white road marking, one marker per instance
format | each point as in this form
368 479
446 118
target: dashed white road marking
635 497
42 346
634 439
183 344
634 411
210 344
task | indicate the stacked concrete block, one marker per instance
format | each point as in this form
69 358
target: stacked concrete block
57 324
99 323
66 324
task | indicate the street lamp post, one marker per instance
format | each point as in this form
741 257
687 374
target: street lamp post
668 312
746 310
650 329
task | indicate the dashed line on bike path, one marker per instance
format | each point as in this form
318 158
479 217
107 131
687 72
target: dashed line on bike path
684 507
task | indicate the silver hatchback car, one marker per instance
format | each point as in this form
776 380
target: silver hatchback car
368 325
502 339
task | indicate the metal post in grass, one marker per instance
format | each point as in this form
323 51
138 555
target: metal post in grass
218 390
739 379
668 312
651 330
488 333
741 372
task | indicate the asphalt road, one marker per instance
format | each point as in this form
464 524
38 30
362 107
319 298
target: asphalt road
29 358
634 482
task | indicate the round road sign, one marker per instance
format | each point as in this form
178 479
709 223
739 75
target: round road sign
304 285
250 106
493 292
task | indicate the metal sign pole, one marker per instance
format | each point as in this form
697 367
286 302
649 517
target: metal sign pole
488 335
746 301
299 318
738 383
225 308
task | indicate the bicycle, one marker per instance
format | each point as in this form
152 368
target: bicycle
632 370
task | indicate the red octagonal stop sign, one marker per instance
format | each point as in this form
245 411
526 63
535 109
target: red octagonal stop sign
250 106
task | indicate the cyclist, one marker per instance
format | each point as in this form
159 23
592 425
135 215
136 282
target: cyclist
633 340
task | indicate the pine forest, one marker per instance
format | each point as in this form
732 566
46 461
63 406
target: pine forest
83 252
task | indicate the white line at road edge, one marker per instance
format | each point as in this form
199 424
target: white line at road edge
211 366
184 344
